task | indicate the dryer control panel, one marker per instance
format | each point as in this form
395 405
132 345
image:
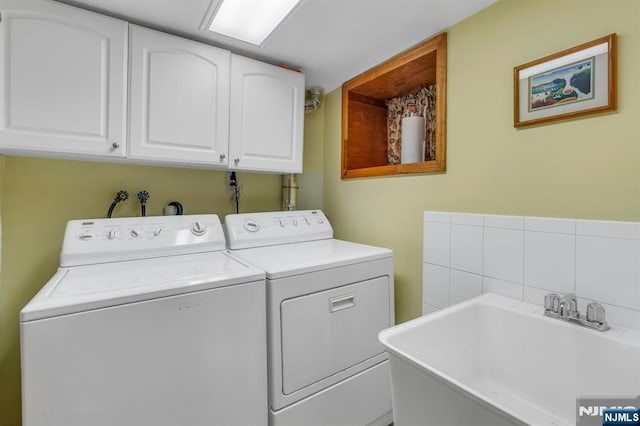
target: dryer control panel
91 241
271 228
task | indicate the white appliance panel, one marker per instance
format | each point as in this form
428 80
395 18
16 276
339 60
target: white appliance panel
293 259
96 286
268 229
142 363
294 286
326 301
327 332
108 240
362 399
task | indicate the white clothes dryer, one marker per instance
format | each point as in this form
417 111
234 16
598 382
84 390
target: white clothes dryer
327 300
148 321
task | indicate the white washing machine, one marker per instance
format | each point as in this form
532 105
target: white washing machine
148 321
327 300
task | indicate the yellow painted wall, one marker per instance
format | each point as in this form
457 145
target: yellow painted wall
310 182
586 168
40 195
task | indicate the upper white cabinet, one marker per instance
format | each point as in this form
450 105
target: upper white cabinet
267 109
62 80
179 108
63 92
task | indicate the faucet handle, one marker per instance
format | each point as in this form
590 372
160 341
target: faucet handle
596 313
552 302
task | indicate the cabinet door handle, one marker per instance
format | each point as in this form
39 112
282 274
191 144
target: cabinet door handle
115 145
222 157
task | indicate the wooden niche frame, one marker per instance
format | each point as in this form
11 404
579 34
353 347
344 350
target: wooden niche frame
543 89
364 112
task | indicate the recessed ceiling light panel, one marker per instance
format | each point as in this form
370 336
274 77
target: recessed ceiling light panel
250 20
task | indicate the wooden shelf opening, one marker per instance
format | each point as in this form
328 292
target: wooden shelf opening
365 113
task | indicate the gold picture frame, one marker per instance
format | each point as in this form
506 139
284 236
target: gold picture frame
573 83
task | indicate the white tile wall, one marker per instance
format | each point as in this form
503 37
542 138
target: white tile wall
467 219
527 257
549 262
466 248
504 288
435 285
546 224
605 229
534 295
508 222
437 243
463 286
607 269
503 254
428 309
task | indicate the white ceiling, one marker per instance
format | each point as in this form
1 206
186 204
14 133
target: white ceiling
331 41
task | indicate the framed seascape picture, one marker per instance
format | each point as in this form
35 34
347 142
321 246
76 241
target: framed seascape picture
567 84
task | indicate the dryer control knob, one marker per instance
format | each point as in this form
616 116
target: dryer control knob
251 226
135 233
111 235
198 229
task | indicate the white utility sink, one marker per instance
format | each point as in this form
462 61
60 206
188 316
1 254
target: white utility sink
497 361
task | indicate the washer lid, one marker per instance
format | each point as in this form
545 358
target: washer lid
89 287
298 258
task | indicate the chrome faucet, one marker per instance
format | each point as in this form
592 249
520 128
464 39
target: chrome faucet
566 308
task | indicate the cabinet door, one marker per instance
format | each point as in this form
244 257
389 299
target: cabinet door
179 109
267 108
62 80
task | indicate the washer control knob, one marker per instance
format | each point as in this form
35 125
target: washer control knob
307 221
282 223
112 234
135 233
295 222
198 228
86 237
157 232
320 220
251 225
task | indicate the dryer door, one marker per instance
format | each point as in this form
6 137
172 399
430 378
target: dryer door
326 332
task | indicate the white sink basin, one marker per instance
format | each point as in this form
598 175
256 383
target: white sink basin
494 360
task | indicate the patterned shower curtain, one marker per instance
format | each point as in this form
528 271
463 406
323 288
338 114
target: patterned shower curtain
425 101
